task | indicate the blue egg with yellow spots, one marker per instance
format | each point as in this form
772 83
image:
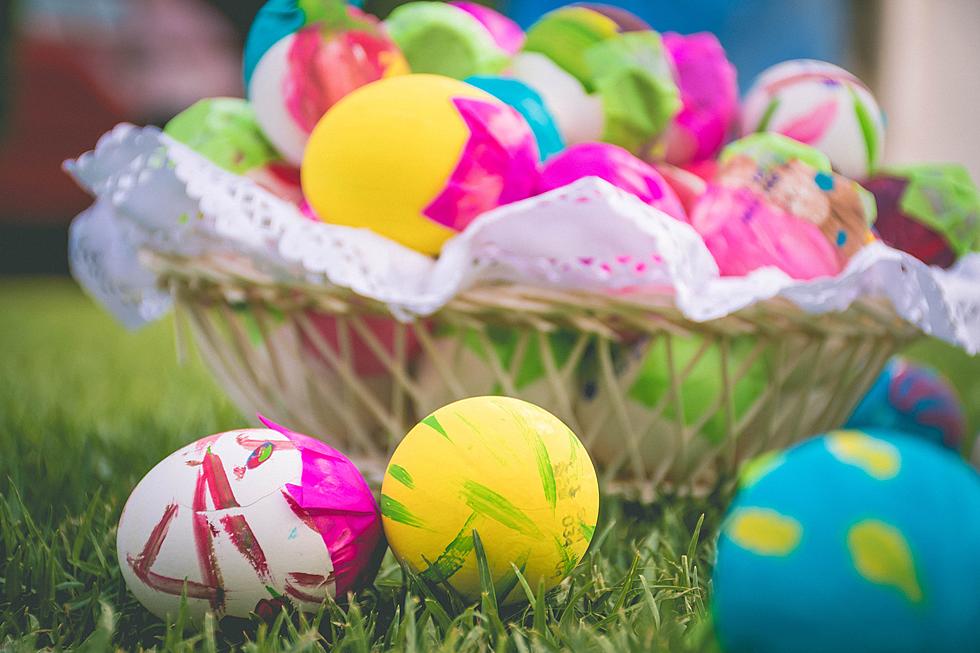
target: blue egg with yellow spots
853 541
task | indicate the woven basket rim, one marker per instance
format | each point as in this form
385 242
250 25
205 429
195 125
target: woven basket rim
234 280
263 340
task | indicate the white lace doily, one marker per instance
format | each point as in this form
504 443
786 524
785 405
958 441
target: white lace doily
152 192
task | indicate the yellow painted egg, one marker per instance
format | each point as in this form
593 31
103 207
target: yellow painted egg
416 158
504 468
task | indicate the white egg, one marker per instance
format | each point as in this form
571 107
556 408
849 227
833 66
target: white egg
266 93
580 116
221 521
821 105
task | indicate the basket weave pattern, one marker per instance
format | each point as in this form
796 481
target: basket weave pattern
258 338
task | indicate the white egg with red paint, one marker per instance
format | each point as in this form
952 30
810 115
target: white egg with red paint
248 520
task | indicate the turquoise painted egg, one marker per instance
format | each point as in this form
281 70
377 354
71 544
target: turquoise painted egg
853 541
529 104
913 399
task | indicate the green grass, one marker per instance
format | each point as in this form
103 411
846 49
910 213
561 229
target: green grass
86 409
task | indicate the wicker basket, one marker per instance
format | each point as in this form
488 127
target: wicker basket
657 399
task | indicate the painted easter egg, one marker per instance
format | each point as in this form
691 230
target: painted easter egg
566 34
769 237
417 158
776 202
578 114
529 104
931 211
709 97
688 186
302 56
455 39
822 105
913 399
705 170
501 467
619 168
770 150
248 518
225 131
626 21
601 83
853 541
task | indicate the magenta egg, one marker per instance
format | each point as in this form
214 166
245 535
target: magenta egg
619 168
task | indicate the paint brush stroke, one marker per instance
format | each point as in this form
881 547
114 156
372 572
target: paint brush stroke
397 512
453 556
207 560
485 501
401 475
882 555
498 165
142 563
245 541
433 423
217 482
811 127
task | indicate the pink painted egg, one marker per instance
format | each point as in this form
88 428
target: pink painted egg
776 202
687 185
302 57
709 97
248 518
745 232
619 168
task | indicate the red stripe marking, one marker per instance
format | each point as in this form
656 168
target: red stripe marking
141 563
217 482
250 443
204 540
244 540
300 512
309 580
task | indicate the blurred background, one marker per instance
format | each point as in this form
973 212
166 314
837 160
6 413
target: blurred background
71 69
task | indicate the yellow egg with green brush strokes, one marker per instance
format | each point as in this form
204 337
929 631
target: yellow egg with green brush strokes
504 468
